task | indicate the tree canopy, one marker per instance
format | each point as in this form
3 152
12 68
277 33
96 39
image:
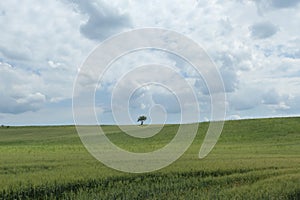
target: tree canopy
141 119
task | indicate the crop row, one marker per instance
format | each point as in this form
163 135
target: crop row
157 185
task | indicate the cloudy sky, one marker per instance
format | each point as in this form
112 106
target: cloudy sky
254 44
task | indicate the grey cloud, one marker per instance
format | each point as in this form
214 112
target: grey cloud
290 49
244 103
275 101
263 30
15 54
271 97
17 94
284 3
245 99
228 72
249 98
103 21
228 66
266 5
294 54
13 105
230 79
2 12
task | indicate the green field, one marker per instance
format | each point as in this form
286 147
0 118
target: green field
253 159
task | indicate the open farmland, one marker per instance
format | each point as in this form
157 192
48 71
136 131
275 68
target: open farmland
253 159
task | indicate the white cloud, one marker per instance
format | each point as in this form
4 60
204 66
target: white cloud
255 45
41 42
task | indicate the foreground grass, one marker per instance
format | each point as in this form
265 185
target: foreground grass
254 159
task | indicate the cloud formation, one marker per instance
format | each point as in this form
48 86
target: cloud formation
17 94
254 44
103 20
263 30
284 4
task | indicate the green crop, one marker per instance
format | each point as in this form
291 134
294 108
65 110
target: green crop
253 159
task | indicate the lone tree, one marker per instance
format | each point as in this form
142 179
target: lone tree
141 119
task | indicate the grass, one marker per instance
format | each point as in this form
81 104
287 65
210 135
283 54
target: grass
253 159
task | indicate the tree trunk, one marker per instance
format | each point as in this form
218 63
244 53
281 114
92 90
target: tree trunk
142 122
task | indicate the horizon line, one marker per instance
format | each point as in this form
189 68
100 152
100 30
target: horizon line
108 124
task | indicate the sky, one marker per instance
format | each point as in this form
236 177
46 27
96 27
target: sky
255 45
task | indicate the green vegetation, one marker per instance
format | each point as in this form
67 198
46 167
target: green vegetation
254 159
141 119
